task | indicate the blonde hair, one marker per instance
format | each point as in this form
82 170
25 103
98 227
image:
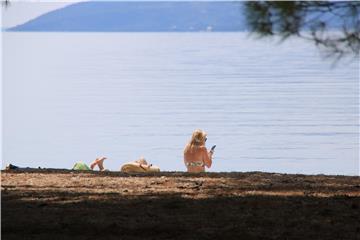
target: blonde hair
198 139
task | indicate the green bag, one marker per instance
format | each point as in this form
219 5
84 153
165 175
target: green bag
81 166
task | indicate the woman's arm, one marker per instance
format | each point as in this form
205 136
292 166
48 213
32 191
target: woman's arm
185 162
207 157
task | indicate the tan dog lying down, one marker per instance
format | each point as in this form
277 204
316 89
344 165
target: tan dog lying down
139 166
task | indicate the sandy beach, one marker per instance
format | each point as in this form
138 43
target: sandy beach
63 204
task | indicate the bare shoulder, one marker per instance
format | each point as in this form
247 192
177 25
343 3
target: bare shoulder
203 149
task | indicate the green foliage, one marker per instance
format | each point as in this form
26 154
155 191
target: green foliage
332 26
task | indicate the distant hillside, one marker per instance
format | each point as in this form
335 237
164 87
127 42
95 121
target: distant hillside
140 17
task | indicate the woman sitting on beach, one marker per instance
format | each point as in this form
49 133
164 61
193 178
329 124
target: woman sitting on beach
196 156
97 162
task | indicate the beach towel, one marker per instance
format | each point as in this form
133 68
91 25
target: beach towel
81 166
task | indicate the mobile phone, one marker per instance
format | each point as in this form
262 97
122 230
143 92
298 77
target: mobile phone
213 148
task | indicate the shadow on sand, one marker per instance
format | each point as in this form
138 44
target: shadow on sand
42 214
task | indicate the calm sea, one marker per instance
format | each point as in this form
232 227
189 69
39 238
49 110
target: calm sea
267 106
